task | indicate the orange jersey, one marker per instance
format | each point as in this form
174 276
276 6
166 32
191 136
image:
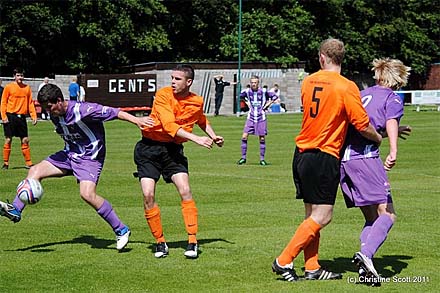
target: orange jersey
331 102
172 113
17 99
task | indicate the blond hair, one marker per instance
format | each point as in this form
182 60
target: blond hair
390 73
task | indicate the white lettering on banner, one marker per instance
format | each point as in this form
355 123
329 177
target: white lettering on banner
151 85
121 88
130 85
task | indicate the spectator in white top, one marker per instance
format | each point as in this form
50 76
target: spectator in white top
44 114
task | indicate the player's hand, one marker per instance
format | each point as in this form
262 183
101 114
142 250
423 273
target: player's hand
390 162
404 130
145 122
34 121
5 121
219 141
204 141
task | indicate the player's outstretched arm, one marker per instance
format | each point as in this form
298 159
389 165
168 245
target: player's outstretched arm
141 122
200 140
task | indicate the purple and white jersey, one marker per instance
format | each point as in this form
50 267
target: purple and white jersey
82 129
382 104
257 100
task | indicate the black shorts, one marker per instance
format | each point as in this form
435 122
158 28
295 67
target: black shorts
154 158
316 176
17 126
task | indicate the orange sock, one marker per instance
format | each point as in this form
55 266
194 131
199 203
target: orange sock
155 223
6 153
25 149
189 212
303 235
311 254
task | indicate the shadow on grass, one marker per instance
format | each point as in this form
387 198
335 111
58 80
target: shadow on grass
94 242
382 264
98 243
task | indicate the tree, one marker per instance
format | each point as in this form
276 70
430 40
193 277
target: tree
275 31
403 29
80 36
105 35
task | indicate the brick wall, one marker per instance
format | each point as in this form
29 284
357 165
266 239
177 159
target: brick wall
433 82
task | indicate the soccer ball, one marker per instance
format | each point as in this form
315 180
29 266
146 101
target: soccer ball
30 191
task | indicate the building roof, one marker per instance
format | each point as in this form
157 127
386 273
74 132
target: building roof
212 65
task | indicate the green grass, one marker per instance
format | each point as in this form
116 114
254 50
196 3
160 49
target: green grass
247 214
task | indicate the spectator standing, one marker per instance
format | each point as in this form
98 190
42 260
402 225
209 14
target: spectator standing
82 94
331 102
74 89
220 85
258 101
16 103
44 114
300 76
45 81
279 101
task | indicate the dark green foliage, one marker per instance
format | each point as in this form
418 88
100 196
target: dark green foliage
103 36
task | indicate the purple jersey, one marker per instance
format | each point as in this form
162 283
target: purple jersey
382 104
82 129
257 100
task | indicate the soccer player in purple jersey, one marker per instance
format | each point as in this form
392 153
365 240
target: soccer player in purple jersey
364 182
81 127
258 102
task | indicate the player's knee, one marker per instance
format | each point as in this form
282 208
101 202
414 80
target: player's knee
392 216
322 219
325 221
185 192
148 196
25 140
88 196
389 214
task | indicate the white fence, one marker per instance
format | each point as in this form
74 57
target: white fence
418 98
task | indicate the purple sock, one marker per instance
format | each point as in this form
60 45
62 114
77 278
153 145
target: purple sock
378 234
18 204
262 149
365 232
108 214
243 148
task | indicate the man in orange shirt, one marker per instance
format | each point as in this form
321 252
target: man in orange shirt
15 105
160 152
331 102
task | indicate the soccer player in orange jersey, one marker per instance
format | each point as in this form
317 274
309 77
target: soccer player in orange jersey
160 152
331 102
15 105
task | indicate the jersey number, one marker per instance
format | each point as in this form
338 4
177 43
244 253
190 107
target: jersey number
316 100
366 100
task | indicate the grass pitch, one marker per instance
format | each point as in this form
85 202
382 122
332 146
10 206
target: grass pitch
247 214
